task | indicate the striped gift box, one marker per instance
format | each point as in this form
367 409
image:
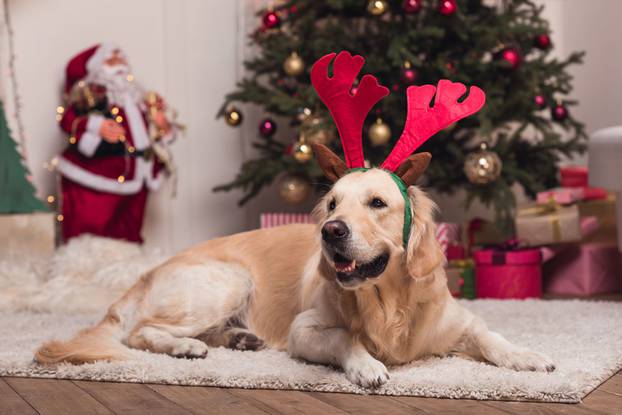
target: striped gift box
269 220
447 233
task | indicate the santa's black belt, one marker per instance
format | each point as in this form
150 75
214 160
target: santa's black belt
120 151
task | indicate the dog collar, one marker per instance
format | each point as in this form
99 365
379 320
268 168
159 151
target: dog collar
403 187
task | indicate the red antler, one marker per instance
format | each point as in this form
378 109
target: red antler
422 122
348 111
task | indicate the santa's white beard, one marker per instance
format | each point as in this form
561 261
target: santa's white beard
118 88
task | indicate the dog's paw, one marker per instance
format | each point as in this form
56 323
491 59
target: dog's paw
527 360
245 340
367 372
189 348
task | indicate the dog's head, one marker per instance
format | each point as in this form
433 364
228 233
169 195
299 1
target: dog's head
371 226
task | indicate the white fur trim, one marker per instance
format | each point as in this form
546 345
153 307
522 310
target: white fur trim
102 53
136 122
90 138
142 175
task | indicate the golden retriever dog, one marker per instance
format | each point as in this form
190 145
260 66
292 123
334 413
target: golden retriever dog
346 292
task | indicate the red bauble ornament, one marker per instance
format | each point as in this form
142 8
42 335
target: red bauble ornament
540 101
559 112
511 57
267 127
412 6
409 76
271 20
542 41
447 7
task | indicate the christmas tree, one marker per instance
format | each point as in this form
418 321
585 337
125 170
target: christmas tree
18 194
504 48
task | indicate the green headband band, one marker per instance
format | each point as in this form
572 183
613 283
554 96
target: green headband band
403 187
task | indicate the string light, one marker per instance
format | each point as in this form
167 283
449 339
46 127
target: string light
131 149
73 140
129 77
60 218
121 179
119 119
51 199
114 110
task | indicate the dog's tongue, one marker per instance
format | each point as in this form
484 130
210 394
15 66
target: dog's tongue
345 266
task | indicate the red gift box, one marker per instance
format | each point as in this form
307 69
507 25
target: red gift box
508 273
584 269
573 176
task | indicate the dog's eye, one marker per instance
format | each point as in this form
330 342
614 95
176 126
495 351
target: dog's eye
377 203
332 205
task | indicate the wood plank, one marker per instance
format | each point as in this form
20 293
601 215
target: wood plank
449 406
207 400
11 403
285 402
130 398
613 384
541 408
365 404
603 402
55 396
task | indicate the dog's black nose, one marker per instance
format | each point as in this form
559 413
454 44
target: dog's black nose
335 230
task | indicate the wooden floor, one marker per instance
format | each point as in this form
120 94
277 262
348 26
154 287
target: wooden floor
50 396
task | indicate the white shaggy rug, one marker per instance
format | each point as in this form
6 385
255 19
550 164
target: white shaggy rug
584 339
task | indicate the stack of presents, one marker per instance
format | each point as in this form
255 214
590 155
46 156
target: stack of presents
565 245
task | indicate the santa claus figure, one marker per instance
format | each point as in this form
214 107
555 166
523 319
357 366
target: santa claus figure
117 150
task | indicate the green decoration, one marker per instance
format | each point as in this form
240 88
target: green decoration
466 47
17 194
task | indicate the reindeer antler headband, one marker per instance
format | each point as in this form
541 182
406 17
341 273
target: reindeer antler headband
350 109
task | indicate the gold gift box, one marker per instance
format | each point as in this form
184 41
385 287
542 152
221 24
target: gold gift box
548 224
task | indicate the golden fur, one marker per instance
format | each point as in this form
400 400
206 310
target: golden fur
280 285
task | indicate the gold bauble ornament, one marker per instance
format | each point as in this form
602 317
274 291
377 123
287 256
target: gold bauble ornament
294 65
314 131
233 117
303 113
482 166
379 133
294 189
377 7
302 152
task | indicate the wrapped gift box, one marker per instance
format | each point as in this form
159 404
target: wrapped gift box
562 195
480 232
461 278
508 274
574 176
548 224
584 269
448 234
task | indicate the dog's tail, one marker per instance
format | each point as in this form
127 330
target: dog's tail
102 342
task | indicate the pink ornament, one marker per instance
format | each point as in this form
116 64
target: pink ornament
542 41
409 76
512 57
267 127
447 7
540 101
271 20
412 6
559 112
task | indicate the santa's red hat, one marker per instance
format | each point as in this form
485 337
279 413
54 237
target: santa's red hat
86 62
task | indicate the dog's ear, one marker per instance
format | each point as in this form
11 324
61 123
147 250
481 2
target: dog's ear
424 253
330 163
413 167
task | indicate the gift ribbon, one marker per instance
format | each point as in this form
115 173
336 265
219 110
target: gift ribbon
552 208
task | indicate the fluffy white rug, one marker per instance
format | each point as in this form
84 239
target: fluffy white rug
584 338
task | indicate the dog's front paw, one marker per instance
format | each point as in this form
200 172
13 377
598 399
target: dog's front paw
189 348
525 359
366 372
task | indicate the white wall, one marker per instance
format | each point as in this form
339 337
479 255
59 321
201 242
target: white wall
191 51
187 50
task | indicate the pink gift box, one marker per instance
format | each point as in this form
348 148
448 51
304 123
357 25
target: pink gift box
584 269
573 176
508 274
562 195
